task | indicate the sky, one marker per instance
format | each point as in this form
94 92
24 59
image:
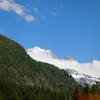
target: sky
67 27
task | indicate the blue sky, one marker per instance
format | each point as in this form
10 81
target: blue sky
67 27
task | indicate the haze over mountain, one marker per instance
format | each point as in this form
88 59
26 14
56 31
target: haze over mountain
92 69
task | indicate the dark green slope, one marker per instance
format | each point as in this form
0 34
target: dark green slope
17 66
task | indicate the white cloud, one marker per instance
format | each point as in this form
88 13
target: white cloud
10 5
29 18
92 69
36 10
54 13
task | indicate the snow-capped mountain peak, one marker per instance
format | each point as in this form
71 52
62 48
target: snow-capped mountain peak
84 73
82 78
40 54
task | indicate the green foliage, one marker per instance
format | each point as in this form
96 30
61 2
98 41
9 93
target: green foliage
12 91
17 67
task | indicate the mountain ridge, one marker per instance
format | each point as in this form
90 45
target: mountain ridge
49 57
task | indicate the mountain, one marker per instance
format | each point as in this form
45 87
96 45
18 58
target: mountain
49 57
19 73
39 53
82 78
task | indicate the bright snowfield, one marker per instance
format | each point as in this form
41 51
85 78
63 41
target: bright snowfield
79 71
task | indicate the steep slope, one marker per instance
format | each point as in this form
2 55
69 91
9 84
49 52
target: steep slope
17 66
67 64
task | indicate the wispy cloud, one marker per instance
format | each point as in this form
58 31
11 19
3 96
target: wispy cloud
10 5
36 10
57 10
2 30
43 18
29 18
54 13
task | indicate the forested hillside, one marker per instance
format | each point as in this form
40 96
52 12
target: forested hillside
19 72
22 78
